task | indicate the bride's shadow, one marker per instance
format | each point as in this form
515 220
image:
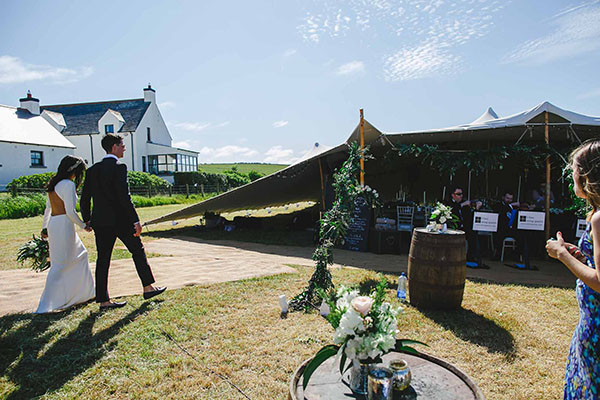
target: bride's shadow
34 374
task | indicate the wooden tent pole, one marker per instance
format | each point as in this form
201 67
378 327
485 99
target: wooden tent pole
547 138
362 147
322 187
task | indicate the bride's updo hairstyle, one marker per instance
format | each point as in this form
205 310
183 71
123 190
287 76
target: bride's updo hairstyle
586 160
69 165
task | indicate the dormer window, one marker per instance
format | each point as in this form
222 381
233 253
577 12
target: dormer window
109 128
149 139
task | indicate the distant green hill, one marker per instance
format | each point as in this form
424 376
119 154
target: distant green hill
244 168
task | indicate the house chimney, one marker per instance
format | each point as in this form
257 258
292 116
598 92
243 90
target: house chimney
30 104
149 94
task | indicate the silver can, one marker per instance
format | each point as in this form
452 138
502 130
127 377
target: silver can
401 374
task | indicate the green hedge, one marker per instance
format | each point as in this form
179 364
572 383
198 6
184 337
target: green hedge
229 179
39 181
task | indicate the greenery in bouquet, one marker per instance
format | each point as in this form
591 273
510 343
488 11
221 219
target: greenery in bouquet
442 214
365 328
37 252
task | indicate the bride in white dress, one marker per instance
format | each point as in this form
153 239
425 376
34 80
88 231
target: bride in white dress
69 280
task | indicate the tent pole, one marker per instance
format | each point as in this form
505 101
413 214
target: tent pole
322 186
547 138
362 148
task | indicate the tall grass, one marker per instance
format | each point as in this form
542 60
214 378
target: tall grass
34 204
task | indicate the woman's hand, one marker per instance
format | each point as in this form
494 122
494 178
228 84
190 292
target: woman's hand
554 247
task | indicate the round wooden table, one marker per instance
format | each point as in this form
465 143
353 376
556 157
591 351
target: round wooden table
432 379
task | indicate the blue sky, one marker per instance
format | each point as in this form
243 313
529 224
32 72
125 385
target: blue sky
264 80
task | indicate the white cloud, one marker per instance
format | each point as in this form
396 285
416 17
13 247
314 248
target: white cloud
419 62
576 32
184 144
352 67
192 126
279 155
437 28
229 153
222 124
289 52
167 104
280 124
14 70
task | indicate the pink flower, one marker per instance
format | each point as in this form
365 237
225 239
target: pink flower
362 304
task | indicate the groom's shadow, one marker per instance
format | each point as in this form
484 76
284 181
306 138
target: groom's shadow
34 374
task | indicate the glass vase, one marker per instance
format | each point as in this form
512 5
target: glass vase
359 377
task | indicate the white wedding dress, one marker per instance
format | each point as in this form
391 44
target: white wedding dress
69 280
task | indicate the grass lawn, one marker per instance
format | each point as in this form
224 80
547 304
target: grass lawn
512 340
244 168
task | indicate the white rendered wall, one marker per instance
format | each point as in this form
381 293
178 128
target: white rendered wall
15 160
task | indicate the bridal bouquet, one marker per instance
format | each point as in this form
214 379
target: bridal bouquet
365 328
37 251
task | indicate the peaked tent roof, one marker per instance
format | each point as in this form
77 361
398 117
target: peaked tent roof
300 181
82 119
488 128
20 126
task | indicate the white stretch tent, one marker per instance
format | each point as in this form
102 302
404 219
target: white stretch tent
302 180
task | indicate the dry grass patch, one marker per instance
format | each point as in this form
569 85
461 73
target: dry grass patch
512 340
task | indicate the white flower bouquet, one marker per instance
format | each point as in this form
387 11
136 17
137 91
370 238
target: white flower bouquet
442 214
365 328
37 252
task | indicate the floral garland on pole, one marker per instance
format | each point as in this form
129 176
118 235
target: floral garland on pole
334 225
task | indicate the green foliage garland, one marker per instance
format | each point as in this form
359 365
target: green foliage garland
334 225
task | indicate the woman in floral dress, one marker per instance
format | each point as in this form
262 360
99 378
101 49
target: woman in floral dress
582 376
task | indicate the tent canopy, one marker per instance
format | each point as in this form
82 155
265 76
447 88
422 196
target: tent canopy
301 181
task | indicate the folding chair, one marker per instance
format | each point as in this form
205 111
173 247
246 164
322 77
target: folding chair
405 217
508 242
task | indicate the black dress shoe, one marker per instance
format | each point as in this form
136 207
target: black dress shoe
159 290
115 304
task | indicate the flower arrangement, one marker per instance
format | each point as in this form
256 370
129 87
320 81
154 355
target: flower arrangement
37 251
442 214
365 328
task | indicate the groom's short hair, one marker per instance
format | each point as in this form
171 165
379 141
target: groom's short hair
109 140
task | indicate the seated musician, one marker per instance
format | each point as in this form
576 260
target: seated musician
462 209
507 224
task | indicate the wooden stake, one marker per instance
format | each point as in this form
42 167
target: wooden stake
362 147
322 187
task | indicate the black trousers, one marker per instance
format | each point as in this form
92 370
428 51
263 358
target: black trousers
105 241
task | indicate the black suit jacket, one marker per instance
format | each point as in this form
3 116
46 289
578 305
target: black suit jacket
106 185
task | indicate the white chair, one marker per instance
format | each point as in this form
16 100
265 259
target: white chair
405 218
508 242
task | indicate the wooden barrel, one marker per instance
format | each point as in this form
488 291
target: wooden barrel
437 269
432 379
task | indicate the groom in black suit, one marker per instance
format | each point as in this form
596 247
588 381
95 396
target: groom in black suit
113 216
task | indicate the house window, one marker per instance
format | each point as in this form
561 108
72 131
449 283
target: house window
37 158
162 164
186 163
143 163
109 129
149 139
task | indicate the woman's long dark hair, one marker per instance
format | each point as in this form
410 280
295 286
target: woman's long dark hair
69 165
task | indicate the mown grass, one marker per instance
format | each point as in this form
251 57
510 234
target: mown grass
244 168
512 340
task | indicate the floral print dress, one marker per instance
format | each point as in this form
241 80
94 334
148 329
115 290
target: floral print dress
582 376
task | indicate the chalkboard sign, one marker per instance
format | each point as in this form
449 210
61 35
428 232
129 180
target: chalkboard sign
358 232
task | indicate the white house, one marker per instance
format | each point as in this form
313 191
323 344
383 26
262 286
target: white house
139 121
28 143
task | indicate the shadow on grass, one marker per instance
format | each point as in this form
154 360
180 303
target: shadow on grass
476 329
35 375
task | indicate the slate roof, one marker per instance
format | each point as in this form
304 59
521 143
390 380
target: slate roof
82 119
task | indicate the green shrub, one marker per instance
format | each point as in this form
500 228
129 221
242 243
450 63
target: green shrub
254 175
37 181
144 179
22 206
